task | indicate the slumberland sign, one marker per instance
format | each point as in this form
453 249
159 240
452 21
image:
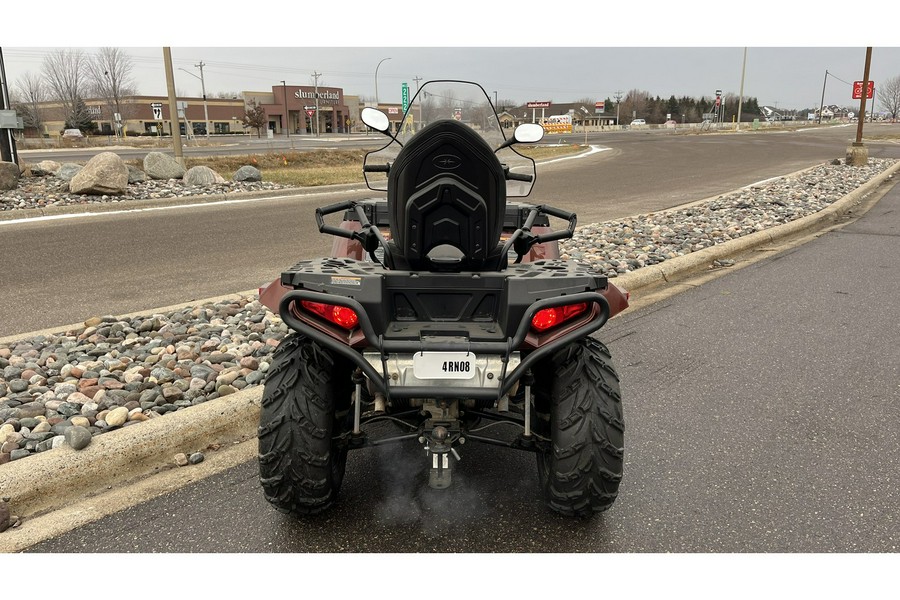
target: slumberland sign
324 97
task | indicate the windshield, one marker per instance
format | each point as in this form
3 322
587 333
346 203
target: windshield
462 101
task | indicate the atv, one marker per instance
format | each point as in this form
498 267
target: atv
446 313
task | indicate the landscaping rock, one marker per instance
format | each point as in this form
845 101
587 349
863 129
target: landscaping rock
202 176
247 173
104 174
162 166
9 175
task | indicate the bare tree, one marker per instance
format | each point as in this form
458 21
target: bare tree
255 117
635 105
65 72
889 96
30 92
109 74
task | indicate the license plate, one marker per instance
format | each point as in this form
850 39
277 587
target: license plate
444 365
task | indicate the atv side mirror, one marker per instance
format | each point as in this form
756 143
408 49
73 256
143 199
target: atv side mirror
375 119
527 133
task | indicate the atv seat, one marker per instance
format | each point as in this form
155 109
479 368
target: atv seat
446 202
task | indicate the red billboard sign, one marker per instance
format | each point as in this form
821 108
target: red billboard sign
857 89
600 105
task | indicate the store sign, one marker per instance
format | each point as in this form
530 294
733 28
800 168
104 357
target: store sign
324 97
538 105
600 106
858 87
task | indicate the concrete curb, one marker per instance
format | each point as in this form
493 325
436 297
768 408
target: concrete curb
53 479
56 478
695 261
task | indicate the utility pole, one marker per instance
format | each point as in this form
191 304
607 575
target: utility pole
203 88
173 106
317 75
205 108
7 141
822 103
618 98
741 100
858 154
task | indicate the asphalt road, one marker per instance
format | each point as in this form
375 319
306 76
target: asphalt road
61 272
218 146
761 412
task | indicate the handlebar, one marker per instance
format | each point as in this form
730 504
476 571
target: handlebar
517 177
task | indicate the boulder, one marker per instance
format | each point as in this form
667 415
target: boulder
135 175
247 173
162 166
9 176
44 168
67 171
105 173
202 176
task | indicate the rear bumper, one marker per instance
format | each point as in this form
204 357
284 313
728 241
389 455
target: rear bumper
386 347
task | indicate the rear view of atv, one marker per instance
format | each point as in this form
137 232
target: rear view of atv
445 312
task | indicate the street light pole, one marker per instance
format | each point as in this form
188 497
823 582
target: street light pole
287 124
112 91
376 79
203 88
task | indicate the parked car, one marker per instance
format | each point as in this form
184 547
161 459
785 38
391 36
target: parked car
638 122
72 133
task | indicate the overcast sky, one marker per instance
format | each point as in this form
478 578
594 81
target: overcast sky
542 55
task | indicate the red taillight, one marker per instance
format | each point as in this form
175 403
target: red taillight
547 318
345 317
339 315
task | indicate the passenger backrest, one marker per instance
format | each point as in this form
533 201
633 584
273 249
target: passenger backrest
446 188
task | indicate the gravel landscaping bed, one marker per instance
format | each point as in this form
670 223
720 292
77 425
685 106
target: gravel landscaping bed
112 373
41 192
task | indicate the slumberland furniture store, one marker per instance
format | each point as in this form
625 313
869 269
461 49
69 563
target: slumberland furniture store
288 108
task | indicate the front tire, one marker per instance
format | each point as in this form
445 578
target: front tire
579 408
305 406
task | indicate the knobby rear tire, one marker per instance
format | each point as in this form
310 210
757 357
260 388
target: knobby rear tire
579 407
304 409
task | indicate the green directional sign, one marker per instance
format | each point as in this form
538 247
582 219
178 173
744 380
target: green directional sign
405 97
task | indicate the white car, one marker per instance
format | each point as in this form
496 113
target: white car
72 133
638 122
